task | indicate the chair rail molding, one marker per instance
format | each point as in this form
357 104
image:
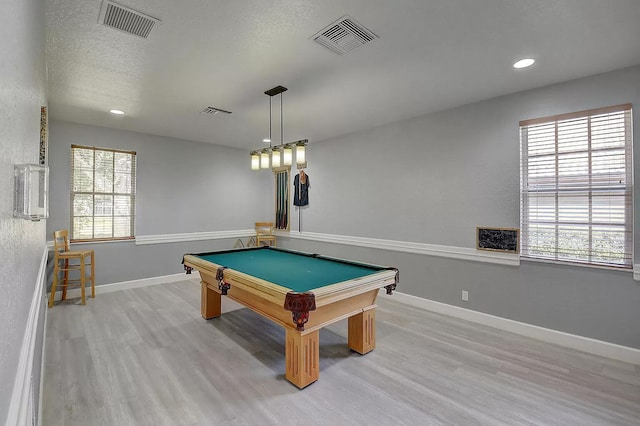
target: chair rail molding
22 405
463 253
193 236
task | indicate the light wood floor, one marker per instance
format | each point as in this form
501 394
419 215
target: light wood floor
146 357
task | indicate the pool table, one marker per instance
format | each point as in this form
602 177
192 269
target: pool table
301 292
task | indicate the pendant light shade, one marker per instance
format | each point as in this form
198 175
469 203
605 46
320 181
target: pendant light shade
300 154
288 155
278 155
264 160
275 158
255 161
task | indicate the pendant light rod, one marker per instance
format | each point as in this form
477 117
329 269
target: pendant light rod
269 138
269 120
278 90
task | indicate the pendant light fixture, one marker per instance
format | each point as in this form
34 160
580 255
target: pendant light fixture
280 154
300 153
275 157
288 155
264 159
255 160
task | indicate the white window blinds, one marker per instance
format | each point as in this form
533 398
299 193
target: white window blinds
577 187
103 193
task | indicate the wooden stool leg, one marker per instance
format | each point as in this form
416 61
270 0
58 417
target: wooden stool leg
82 279
56 271
93 277
65 281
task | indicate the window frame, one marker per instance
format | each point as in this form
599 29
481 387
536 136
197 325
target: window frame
558 190
132 194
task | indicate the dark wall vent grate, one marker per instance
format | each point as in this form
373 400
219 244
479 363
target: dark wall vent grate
344 35
213 111
126 20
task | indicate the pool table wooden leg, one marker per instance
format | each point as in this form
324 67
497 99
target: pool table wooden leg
362 331
302 357
210 302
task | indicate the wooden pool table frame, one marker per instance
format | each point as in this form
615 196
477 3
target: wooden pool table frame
353 299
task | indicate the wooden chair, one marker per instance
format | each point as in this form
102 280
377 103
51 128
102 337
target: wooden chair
264 234
66 261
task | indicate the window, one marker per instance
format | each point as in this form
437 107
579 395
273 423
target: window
576 187
103 193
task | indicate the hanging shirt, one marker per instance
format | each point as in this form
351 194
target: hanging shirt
301 189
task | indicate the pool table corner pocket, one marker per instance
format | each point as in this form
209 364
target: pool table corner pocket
300 304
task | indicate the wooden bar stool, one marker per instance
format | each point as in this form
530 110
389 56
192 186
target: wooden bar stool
62 255
264 234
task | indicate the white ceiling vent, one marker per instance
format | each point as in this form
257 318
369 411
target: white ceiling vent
344 35
125 19
213 111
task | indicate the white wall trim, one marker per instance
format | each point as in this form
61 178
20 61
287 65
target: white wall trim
43 363
452 252
584 344
125 285
193 236
21 406
636 272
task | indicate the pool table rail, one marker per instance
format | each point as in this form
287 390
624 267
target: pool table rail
383 278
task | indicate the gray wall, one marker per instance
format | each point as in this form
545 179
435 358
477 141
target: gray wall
182 187
433 179
22 92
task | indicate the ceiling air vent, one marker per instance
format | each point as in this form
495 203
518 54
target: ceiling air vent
344 35
125 19
213 111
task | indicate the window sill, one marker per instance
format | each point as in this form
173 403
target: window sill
583 265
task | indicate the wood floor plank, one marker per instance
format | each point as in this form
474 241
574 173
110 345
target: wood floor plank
146 357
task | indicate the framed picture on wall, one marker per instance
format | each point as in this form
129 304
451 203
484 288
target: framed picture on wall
505 240
44 130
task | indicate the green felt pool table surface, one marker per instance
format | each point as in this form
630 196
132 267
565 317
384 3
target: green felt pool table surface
298 271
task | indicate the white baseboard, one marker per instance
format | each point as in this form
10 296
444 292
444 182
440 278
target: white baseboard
124 285
584 344
22 406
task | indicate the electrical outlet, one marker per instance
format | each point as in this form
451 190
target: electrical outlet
465 295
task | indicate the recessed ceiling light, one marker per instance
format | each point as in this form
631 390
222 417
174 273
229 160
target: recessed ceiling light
524 63
266 140
116 112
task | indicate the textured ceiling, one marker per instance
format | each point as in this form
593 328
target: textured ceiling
431 55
